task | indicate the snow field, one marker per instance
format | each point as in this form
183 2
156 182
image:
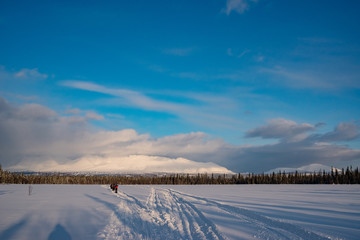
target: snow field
180 212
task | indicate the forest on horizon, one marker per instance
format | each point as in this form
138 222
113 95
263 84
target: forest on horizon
345 176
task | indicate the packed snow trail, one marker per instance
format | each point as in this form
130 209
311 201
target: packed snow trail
170 214
164 216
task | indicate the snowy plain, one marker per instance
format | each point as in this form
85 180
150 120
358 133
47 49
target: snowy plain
180 212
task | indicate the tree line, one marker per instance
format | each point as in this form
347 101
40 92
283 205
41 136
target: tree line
344 176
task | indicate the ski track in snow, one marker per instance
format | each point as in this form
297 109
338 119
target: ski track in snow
164 216
169 214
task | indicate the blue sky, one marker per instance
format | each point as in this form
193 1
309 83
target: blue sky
222 69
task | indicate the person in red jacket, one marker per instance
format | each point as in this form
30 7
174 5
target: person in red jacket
116 188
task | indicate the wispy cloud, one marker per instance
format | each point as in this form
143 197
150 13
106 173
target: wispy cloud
243 53
129 97
21 75
318 63
260 58
24 97
319 40
238 6
157 68
181 52
319 79
117 116
229 52
189 75
26 73
202 113
27 98
236 52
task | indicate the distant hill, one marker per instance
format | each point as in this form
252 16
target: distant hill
304 169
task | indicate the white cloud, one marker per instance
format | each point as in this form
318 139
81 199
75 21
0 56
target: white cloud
37 138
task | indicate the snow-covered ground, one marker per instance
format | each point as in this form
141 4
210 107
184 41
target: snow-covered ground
180 212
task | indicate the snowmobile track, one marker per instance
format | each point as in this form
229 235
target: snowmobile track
163 216
269 228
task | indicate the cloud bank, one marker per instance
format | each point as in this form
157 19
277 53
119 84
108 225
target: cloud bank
296 147
280 128
35 137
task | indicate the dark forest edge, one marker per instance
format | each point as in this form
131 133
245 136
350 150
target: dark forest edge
345 176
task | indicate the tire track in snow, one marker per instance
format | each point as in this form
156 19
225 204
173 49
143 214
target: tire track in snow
164 216
268 228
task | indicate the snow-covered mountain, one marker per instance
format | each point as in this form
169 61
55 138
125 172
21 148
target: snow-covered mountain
133 164
305 169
